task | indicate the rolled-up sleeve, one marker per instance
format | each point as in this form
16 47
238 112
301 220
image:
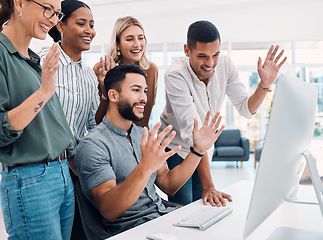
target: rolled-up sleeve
236 90
7 133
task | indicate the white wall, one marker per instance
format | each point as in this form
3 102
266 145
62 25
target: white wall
237 20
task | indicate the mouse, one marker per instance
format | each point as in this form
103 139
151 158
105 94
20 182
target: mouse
161 236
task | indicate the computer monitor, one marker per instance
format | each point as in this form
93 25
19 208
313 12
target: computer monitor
289 134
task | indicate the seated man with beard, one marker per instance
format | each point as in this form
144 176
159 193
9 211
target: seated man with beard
118 162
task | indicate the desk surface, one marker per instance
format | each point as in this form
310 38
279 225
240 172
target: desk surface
303 216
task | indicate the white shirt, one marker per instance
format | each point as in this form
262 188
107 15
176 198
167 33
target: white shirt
187 98
76 88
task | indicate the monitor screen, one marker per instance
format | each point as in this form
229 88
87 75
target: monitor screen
289 134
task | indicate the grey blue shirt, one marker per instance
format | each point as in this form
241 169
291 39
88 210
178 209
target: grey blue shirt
106 154
76 88
187 98
48 134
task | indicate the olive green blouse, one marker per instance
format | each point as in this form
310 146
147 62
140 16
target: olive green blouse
48 134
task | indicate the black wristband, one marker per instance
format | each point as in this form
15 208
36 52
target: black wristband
196 153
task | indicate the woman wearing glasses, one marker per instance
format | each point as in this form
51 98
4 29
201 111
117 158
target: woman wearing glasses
128 45
76 84
37 197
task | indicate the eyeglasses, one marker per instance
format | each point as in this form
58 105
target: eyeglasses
49 12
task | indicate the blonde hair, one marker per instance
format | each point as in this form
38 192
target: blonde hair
120 25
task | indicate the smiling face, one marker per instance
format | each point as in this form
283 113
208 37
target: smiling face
33 20
132 44
78 31
203 58
133 97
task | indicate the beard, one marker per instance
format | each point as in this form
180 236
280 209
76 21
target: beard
126 111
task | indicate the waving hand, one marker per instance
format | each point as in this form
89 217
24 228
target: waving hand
269 70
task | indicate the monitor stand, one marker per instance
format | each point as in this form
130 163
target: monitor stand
283 233
316 180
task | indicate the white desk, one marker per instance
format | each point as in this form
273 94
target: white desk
293 215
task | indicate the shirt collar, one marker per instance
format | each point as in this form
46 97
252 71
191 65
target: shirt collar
115 129
66 60
7 43
11 48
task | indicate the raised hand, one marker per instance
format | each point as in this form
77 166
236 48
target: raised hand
100 69
205 137
49 71
269 70
153 151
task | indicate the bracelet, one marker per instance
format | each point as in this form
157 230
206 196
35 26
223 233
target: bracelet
261 89
196 153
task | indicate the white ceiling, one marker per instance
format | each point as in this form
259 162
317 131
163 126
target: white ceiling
237 20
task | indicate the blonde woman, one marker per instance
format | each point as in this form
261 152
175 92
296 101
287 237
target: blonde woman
128 45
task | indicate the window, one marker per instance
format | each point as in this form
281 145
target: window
305 60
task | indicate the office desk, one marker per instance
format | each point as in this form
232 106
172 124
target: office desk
304 216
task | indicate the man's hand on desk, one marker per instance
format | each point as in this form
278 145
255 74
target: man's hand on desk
214 197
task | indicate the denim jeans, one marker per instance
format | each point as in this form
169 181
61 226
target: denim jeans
37 201
191 190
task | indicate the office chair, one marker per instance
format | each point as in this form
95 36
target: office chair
90 216
230 146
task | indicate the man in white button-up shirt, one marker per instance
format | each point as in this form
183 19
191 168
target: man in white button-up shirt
199 82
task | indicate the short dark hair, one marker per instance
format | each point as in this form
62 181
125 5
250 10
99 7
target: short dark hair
202 31
115 77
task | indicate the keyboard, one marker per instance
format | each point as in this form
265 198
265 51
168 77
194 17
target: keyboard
204 217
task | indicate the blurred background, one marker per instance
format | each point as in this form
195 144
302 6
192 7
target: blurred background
247 28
